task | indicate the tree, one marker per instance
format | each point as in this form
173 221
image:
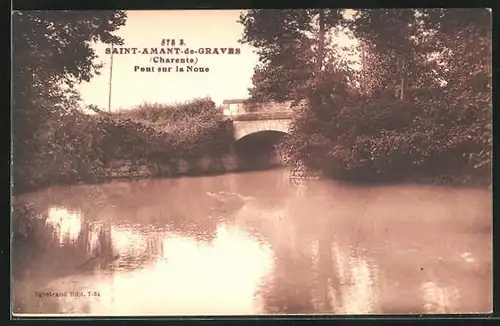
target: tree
52 51
464 40
463 37
398 50
292 47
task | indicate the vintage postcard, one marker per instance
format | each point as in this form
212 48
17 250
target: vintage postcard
251 162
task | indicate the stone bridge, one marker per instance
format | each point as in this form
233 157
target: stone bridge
251 118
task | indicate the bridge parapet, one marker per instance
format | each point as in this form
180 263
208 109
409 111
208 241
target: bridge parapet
244 108
262 116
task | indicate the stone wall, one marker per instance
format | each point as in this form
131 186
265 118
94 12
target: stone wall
202 165
189 167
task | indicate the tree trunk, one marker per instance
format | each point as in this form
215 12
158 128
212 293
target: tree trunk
402 93
321 45
158 167
402 86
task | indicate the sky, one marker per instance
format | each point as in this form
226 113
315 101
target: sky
229 75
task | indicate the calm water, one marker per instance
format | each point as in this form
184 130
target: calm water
179 246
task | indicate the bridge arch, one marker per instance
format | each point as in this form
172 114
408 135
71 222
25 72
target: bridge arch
245 128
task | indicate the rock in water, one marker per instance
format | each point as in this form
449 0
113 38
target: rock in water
230 200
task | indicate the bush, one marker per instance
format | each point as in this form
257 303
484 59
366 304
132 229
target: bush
77 147
372 139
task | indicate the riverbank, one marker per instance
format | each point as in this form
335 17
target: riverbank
463 180
128 170
205 167
454 182
76 147
230 162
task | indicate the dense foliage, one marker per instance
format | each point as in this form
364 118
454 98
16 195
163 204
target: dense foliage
190 129
82 147
52 52
420 107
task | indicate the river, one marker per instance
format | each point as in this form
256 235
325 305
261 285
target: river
266 246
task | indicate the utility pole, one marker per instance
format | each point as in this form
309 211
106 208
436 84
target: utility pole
110 78
363 67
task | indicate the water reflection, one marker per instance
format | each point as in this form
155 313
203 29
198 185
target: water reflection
94 230
361 294
65 224
438 299
186 276
167 247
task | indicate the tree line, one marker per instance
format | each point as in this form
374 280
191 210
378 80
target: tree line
418 109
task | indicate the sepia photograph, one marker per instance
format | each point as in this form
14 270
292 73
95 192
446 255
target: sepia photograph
251 162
